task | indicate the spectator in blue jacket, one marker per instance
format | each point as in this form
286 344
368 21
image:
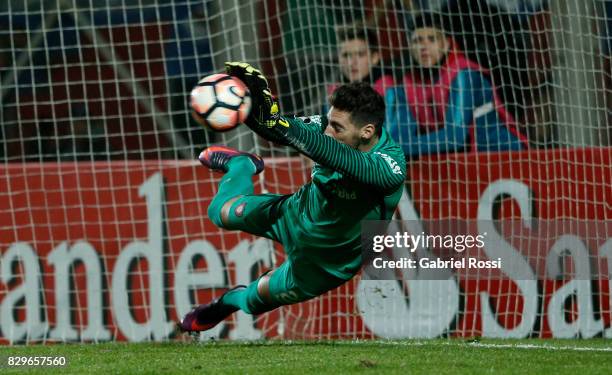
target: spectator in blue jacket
446 103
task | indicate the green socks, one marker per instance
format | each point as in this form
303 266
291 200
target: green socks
247 299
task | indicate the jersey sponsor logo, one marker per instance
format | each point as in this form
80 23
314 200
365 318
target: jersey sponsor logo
345 194
395 167
336 188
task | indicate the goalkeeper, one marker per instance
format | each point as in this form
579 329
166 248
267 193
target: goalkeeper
358 175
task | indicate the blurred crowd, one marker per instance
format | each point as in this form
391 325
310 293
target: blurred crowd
477 75
457 76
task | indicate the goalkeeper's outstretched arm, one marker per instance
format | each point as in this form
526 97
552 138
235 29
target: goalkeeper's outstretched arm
378 170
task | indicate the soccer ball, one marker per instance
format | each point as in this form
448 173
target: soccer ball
220 102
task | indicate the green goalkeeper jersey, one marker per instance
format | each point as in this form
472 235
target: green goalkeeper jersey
322 220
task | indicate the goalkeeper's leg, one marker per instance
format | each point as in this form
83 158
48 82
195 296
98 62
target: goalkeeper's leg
234 206
288 284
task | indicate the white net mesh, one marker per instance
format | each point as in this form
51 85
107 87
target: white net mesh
104 232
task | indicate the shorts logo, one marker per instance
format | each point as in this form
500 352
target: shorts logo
239 211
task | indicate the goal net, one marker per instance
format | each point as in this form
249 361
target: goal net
104 233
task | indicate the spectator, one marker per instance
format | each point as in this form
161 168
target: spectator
447 102
359 59
496 35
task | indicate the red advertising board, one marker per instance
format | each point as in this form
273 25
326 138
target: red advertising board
119 250
569 190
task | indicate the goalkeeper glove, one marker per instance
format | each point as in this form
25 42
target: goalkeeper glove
264 118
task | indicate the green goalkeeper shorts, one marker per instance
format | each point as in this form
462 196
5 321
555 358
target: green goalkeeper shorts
297 279
258 214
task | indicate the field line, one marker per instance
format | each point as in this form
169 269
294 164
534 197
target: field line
492 345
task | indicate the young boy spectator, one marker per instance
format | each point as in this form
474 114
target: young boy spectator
446 103
359 59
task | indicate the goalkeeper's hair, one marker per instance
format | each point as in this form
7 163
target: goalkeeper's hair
362 102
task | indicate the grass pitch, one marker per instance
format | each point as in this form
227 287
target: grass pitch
338 357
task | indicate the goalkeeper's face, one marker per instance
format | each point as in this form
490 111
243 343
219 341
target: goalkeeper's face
341 128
